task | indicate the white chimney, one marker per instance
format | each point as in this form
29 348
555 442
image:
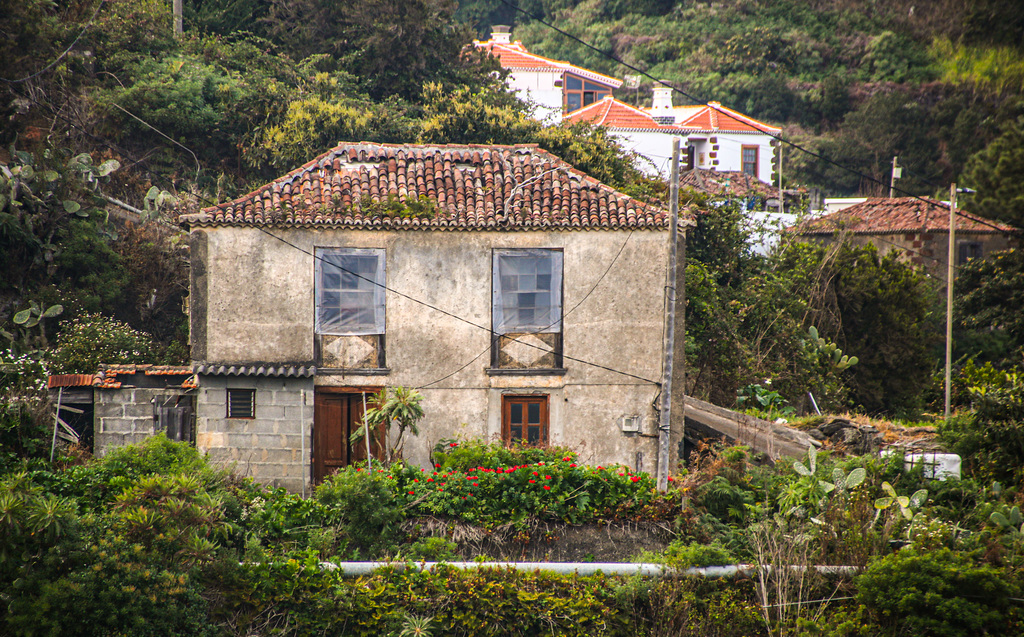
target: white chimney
662 102
501 34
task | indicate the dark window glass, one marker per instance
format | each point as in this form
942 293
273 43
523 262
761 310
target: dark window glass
573 83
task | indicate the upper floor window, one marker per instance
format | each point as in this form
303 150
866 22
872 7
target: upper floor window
527 290
526 312
350 291
750 160
579 93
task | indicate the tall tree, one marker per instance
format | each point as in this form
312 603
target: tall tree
997 173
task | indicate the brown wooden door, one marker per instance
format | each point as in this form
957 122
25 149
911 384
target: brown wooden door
336 415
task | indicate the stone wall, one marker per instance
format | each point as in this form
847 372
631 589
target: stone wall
126 416
275 446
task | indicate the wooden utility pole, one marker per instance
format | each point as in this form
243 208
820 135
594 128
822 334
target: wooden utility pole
177 9
949 290
664 424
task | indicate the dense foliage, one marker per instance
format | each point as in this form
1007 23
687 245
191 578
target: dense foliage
154 532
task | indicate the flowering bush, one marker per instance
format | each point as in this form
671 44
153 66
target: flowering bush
559 489
94 339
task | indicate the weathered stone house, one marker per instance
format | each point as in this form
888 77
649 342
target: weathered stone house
918 228
521 297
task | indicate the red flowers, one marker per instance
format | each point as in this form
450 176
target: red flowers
535 473
411 493
547 477
567 458
635 478
533 481
547 487
671 479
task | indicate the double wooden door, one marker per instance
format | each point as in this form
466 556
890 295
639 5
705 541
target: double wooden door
337 414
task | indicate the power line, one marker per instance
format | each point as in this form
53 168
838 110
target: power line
61 56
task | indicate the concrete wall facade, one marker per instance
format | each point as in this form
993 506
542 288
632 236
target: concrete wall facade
125 416
259 308
275 446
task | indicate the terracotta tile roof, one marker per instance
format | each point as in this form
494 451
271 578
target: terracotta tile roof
896 215
612 113
713 117
106 378
469 187
725 183
514 57
69 380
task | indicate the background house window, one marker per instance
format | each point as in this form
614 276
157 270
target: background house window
580 93
527 289
241 403
967 250
350 291
750 160
524 419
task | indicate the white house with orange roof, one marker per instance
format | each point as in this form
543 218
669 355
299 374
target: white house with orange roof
553 87
719 138
715 137
635 129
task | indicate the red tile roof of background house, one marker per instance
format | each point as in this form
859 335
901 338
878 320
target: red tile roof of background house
899 214
713 117
469 187
514 57
612 113
726 183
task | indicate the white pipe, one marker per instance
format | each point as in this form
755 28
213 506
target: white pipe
357 569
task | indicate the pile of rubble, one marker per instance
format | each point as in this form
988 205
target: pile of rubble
860 435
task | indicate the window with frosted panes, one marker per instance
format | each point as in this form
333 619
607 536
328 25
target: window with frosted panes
350 291
527 289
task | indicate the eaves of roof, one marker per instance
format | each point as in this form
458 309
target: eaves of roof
474 187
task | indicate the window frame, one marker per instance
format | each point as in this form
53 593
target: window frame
586 93
544 424
499 322
754 164
965 247
375 289
229 403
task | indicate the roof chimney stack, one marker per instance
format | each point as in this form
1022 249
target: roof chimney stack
662 102
501 34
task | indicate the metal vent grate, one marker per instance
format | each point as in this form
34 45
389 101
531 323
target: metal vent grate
241 403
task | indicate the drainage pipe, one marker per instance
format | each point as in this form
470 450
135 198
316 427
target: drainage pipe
357 569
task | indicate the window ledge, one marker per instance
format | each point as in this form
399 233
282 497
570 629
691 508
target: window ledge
518 371
353 371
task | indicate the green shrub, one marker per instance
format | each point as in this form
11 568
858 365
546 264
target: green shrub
467 455
935 592
680 554
99 482
111 587
364 507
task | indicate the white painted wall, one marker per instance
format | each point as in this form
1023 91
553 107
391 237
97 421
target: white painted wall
538 88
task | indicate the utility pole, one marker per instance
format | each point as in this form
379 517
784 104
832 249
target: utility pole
664 424
897 172
177 9
949 289
950 255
